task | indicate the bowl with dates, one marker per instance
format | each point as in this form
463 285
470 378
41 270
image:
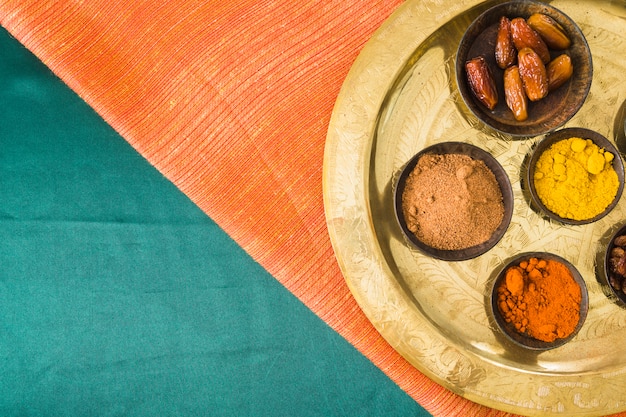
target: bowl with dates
524 68
615 265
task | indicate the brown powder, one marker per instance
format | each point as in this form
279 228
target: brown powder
452 201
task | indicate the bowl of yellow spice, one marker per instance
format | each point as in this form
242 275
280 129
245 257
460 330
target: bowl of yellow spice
575 176
539 301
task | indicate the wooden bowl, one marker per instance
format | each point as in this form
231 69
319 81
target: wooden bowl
557 136
522 339
475 153
607 273
546 114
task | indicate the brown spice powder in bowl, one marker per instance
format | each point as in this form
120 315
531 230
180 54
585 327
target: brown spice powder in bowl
453 201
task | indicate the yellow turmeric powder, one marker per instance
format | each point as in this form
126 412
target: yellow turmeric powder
575 179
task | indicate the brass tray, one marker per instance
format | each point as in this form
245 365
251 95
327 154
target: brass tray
401 96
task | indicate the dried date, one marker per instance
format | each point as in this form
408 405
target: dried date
481 82
559 70
617 264
550 31
533 73
514 93
525 37
505 52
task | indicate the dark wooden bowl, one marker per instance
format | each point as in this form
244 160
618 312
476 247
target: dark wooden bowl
501 177
545 115
566 133
620 295
522 339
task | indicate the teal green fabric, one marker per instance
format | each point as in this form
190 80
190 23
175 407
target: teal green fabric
119 297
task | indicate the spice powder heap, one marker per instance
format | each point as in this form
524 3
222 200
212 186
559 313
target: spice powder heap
541 299
575 179
452 201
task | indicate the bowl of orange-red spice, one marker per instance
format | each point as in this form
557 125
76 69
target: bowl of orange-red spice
539 301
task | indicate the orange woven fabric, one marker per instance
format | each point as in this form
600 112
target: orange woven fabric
231 100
